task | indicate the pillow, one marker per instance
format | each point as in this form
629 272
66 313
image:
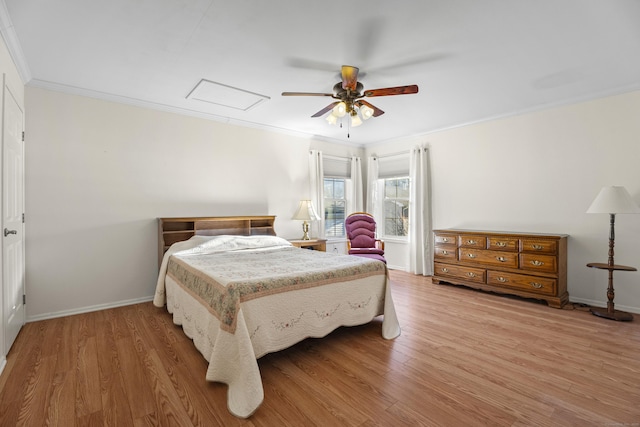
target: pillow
224 243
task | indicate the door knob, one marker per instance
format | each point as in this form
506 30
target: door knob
7 232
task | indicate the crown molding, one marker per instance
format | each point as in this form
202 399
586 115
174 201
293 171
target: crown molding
119 99
13 44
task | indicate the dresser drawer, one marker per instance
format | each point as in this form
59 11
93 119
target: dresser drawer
539 246
472 241
539 285
539 262
466 273
497 258
445 239
497 243
445 252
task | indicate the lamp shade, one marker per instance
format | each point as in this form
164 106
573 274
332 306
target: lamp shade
366 112
306 212
340 109
613 200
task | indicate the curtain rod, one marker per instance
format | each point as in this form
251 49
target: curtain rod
384 156
329 157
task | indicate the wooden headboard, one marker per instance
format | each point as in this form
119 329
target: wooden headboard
172 230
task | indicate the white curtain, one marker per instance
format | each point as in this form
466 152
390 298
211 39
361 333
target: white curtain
316 191
420 229
356 186
372 186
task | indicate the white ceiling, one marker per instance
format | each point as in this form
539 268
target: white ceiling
472 60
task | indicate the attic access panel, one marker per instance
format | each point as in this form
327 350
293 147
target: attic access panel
225 95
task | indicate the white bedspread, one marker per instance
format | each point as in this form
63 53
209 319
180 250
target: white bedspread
273 320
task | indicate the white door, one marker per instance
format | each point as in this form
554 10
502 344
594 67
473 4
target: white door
13 267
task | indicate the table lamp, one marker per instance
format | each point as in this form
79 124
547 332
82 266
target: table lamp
306 213
612 200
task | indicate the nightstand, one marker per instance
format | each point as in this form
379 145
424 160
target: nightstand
314 244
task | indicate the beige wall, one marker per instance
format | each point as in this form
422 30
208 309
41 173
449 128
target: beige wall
539 172
98 175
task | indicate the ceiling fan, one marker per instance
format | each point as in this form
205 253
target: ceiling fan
349 93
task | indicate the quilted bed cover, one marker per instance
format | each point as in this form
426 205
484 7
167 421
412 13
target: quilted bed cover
241 297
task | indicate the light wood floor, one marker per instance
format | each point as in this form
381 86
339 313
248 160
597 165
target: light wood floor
464 358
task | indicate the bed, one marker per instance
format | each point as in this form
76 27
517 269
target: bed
241 292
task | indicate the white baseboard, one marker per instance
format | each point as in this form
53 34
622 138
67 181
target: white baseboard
3 363
89 309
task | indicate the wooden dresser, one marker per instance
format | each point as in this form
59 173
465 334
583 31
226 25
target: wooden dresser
524 264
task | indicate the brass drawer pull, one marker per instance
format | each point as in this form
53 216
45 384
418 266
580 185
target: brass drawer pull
501 244
502 279
471 242
445 253
537 263
471 274
444 239
445 270
501 258
537 247
536 285
471 255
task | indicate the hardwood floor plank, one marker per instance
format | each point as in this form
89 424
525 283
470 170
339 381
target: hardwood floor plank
67 355
136 385
37 400
108 360
170 408
88 398
284 395
61 408
90 420
116 409
464 358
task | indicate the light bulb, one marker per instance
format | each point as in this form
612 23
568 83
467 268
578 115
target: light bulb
355 120
332 119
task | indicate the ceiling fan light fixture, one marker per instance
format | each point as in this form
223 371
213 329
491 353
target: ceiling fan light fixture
332 119
348 94
366 112
340 109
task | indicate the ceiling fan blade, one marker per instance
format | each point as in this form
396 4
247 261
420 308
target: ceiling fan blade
311 64
326 109
376 111
431 57
368 32
305 94
349 77
399 90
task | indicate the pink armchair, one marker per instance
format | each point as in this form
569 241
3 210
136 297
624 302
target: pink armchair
361 237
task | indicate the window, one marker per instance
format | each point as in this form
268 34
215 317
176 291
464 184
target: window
335 204
396 207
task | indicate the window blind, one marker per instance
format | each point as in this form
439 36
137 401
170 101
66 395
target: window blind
336 167
393 166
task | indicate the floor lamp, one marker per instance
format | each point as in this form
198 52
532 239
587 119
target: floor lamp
612 200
